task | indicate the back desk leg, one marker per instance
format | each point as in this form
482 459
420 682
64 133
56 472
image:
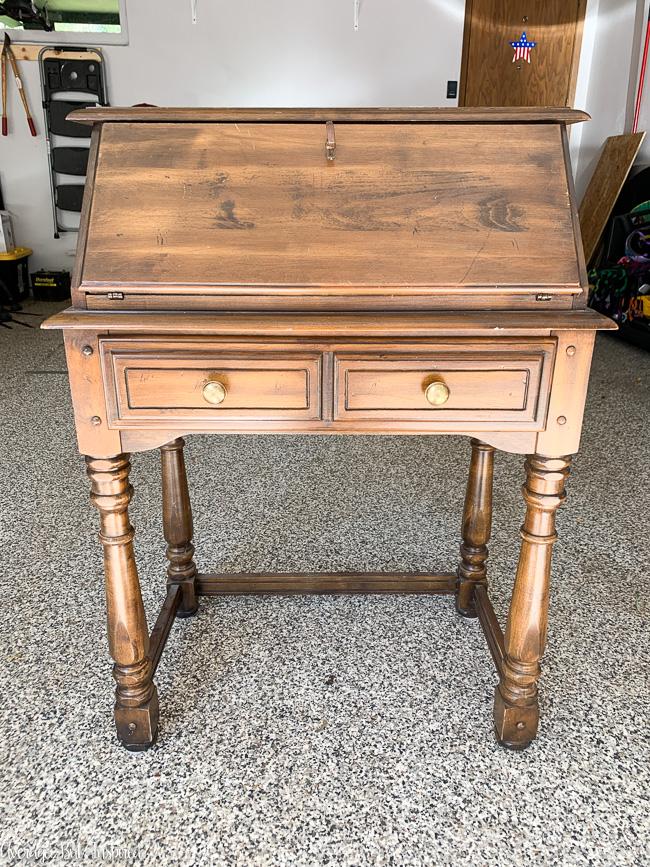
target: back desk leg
177 525
477 526
136 699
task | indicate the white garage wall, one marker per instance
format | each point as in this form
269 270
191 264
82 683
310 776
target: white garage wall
607 81
644 116
248 53
298 53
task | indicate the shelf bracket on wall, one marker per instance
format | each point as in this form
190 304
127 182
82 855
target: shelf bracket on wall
193 4
357 5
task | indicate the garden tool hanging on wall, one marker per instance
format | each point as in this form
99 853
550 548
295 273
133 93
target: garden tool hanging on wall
7 52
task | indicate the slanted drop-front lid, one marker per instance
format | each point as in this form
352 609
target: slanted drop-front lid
343 210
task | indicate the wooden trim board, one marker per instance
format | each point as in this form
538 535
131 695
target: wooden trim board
154 114
225 584
321 325
610 174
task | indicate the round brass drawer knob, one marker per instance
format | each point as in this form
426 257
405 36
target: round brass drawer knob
437 393
214 392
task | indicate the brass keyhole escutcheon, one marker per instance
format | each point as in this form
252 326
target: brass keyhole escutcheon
437 393
214 392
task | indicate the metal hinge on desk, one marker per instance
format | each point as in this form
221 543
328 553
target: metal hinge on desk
115 296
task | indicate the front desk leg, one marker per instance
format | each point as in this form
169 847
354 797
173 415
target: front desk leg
177 526
516 710
136 699
477 526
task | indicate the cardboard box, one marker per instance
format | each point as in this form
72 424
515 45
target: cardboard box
645 306
7 241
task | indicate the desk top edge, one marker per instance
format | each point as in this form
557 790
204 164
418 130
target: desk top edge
155 114
397 324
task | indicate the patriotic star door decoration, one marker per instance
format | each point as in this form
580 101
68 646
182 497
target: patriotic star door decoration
522 48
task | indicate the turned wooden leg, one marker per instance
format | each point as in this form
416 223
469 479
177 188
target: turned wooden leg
177 526
477 525
516 710
136 699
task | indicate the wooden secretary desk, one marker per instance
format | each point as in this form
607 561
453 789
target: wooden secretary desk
341 271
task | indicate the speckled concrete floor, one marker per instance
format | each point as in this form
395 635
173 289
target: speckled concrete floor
312 731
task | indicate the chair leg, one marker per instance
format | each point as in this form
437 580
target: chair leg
477 525
177 526
136 699
516 709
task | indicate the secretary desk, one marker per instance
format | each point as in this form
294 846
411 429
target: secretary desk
329 271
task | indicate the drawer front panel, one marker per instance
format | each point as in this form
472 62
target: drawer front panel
508 386
245 387
160 384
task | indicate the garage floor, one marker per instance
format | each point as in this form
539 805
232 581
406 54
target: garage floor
311 731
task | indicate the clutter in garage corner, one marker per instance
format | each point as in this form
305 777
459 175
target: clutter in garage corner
620 284
15 282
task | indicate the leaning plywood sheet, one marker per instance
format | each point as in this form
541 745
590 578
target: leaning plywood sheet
607 180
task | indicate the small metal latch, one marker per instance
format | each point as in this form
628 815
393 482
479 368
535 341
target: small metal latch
542 297
330 144
115 296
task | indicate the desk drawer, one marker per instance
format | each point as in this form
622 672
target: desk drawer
163 383
507 384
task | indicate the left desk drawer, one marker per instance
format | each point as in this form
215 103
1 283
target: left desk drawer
161 382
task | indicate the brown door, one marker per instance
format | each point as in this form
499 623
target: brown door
491 72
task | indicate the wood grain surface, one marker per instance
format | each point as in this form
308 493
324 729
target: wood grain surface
414 114
477 202
492 384
178 526
476 528
285 583
136 698
402 206
516 707
321 325
164 382
610 173
286 299
491 381
490 78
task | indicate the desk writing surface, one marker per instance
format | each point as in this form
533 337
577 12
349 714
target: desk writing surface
250 205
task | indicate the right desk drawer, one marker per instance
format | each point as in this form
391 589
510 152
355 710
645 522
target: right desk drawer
502 383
